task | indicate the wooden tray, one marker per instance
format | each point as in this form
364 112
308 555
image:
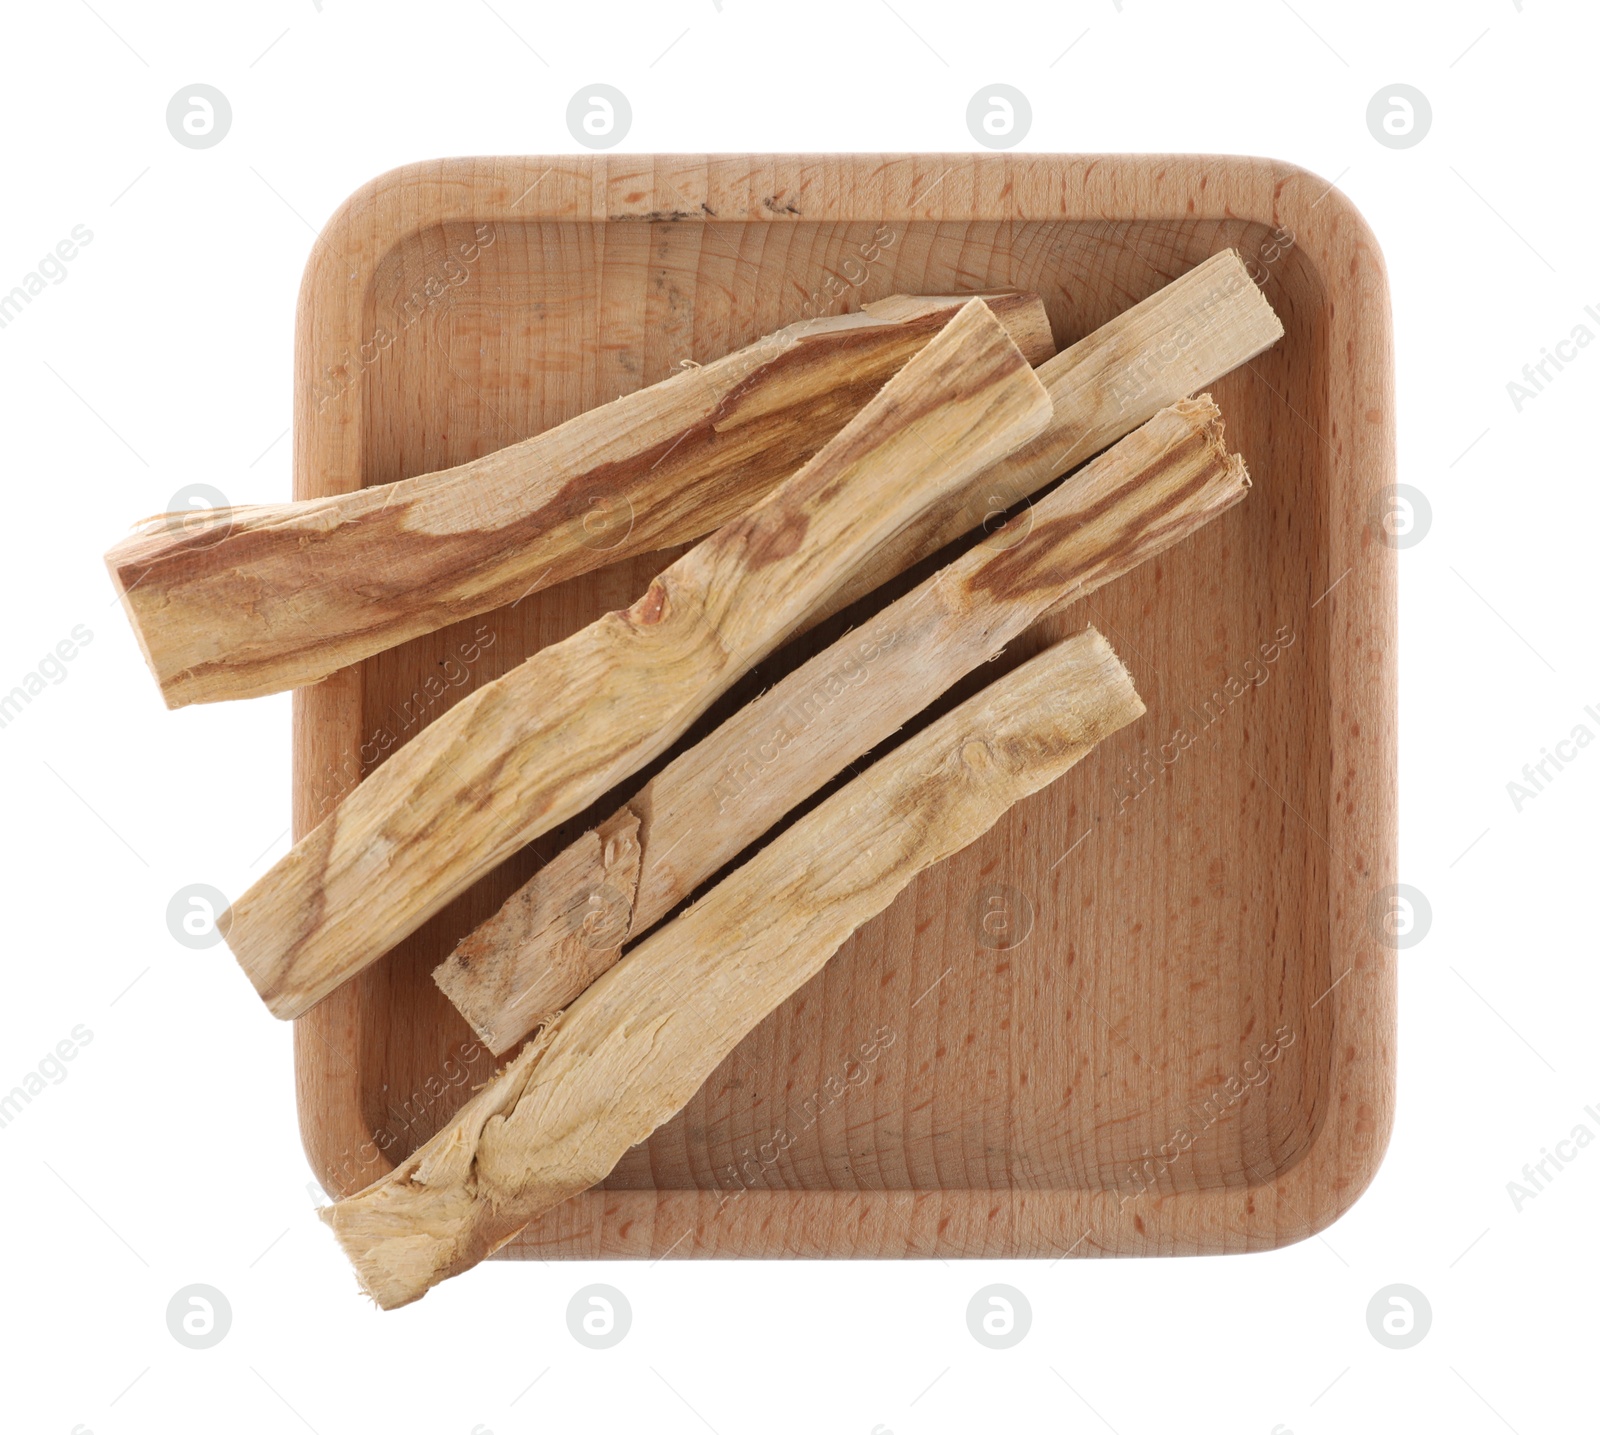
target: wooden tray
1147 1026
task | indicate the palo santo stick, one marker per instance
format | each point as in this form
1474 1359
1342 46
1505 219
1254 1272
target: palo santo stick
564 927
536 746
567 924
637 1045
1175 343
254 600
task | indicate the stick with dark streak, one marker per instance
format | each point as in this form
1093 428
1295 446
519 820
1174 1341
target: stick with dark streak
238 602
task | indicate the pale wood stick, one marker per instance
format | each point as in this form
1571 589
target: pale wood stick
1182 338
559 931
539 744
568 923
251 600
637 1044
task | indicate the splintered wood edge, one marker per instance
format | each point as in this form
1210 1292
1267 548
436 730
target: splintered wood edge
484 977
1333 240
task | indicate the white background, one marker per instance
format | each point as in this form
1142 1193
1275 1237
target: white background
169 1154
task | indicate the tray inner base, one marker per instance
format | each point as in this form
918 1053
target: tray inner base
1131 990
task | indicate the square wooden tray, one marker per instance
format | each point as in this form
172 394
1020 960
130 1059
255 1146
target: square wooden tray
1118 1025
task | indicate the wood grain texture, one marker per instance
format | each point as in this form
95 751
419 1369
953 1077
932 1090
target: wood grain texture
239 602
638 1043
538 745
568 923
1024 1080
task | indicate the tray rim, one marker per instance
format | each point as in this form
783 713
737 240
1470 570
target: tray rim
1349 1142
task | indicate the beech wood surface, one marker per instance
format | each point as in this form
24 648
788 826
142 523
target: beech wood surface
551 937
